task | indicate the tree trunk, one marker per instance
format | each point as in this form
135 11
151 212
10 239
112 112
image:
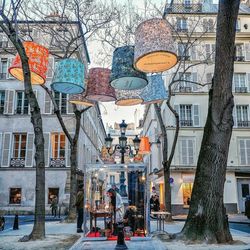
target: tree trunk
38 231
207 220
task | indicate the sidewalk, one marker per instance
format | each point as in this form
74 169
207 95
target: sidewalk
233 218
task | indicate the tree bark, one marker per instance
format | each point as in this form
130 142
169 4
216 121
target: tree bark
38 231
207 220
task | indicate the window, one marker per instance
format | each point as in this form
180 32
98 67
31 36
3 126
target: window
61 100
242 115
244 151
239 52
19 149
2 98
52 192
185 84
187 151
15 195
58 145
210 51
22 104
4 67
187 191
186 115
183 51
181 24
239 81
208 25
238 25
112 179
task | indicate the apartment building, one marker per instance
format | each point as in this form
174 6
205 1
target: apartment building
17 172
195 22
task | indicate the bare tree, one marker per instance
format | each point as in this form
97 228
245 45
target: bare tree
207 220
10 28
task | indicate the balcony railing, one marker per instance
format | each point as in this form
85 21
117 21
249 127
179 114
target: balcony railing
186 123
239 58
17 162
179 29
57 163
240 89
3 76
243 124
184 8
185 89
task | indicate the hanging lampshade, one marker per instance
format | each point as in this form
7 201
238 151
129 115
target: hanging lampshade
38 63
155 91
99 88
80 99
154 46
128 97
123 74
144 146
68 77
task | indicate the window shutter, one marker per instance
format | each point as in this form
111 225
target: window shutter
70 108
68 163
213 51
10 60
208 51
46 148
194 79
193 53
50 67
235 116
242 152
247 51
9 102
248 81
183 152
1 148
47 104
196 119
248 151
190 151
6 149
29 150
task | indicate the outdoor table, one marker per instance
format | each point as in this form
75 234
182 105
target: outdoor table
160 218
99 214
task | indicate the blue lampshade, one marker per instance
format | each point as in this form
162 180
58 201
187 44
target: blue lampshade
68 77
123 74
155 91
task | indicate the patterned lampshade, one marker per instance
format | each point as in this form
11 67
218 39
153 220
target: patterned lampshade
155 91
69 77
99 88
128 97
123 74
144 146
80 99
154 46
38 63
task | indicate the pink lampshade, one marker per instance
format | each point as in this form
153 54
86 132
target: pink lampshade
98 88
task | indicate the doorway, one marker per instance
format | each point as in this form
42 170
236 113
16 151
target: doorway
243 186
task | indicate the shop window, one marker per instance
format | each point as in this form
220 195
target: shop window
58 145
187 191
15 195
52 193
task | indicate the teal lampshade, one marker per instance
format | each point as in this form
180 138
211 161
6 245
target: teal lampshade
68 77
155 91
123 74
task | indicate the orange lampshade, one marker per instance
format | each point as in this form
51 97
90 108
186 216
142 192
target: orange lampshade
144 146
38 63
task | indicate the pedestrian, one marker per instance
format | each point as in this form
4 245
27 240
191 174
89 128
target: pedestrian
16 223
79 208
53 205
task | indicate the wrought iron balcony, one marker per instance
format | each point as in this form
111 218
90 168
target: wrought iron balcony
186 123
3 76
17 162
239 58
240 89
243 124
185 89
57 163
184 8
179 29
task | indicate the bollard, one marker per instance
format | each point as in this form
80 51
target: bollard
15 225
120 239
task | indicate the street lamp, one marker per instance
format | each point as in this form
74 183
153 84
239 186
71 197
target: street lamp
122 147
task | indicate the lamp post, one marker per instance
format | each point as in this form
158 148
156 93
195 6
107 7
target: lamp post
122 147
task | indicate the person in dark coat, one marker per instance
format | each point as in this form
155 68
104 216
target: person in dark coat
79 207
